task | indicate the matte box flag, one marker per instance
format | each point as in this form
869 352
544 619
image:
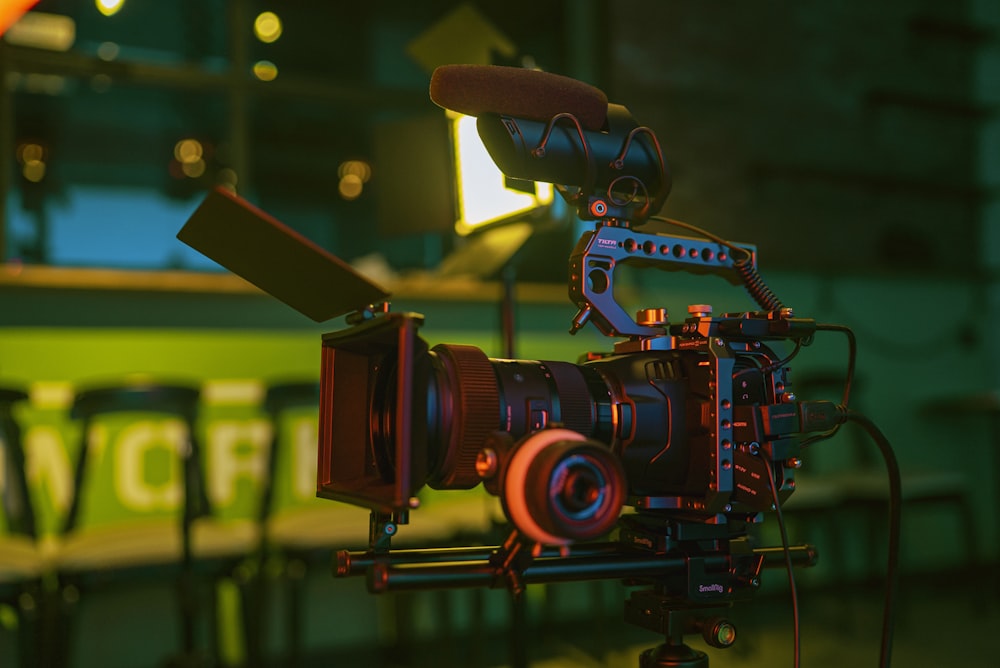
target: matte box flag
11 10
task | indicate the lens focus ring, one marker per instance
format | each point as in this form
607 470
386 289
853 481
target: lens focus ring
475 411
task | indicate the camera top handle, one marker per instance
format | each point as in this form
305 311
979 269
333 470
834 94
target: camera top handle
598 253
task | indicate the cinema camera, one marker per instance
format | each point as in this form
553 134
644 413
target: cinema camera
646 464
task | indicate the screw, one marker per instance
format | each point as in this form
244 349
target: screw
486 463
652 317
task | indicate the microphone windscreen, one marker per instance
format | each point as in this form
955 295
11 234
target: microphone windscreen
474 90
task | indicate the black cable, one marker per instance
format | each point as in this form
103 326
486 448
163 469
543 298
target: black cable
852 356
773 366
796 631
705 233
895 503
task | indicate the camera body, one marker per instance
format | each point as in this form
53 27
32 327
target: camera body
673 424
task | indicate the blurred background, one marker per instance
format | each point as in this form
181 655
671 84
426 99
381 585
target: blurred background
856 144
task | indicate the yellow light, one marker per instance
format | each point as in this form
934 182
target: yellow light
193 169
188 151
109 7
265 70
358 168
41 30
34 170
45 84
31 156
30 152
482 195
350 186
267 27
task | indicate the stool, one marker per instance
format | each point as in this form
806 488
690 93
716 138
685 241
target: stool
863 486
965 410
296 534
22 562
303 533
150 545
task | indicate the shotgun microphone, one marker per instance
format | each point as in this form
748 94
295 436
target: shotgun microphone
539 126
475 90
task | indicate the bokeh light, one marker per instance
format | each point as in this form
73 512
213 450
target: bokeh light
31 157
358 168
267 27
350 186
188 151
265 70
109 7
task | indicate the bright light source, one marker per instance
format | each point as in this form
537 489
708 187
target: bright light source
34 171
358 168
109 7
11 11
350 186
482 195
193 169
265 70
267 27
188 151
41 30
32 159
30 152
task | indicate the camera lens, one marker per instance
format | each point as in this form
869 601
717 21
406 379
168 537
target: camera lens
578 486
560 487
469 396
463 410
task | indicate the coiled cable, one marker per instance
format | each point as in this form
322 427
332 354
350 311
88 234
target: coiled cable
745 266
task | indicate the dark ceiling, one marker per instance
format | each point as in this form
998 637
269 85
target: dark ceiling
838 138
